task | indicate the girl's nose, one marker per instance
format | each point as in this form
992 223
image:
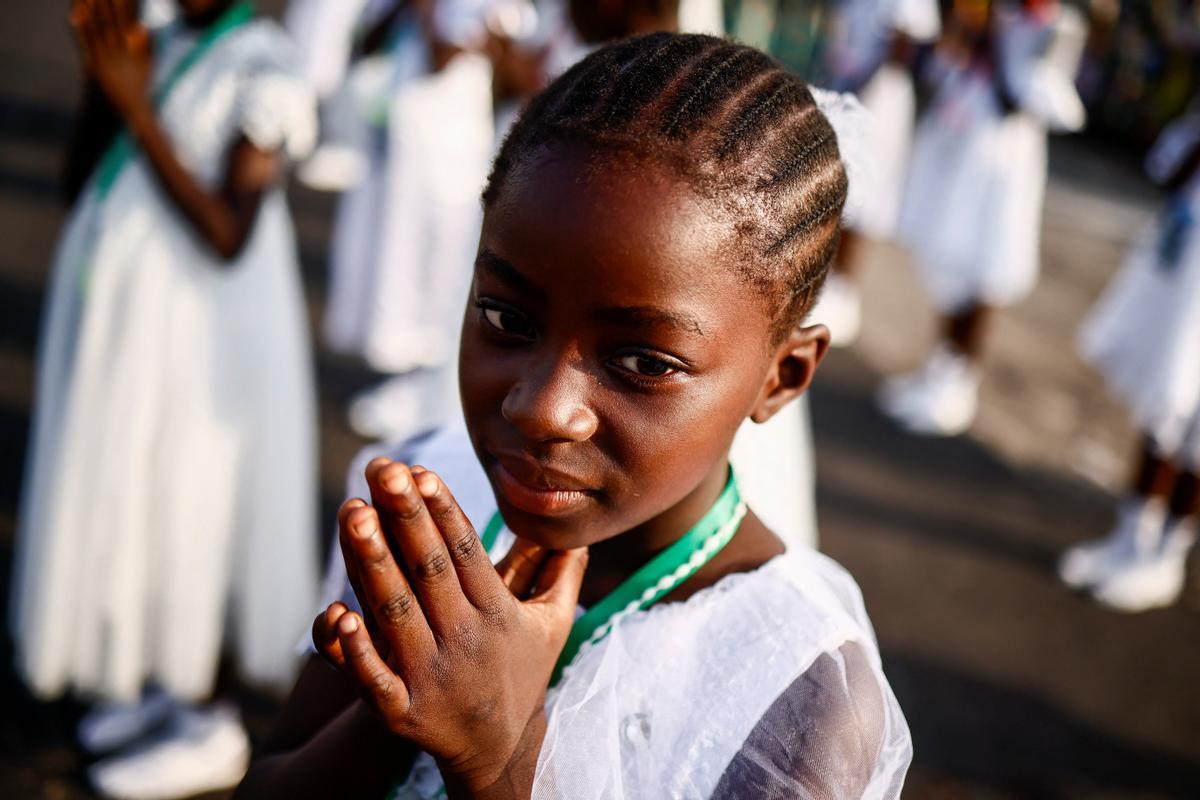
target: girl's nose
551 404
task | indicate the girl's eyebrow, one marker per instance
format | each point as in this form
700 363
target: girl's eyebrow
645 316
504 271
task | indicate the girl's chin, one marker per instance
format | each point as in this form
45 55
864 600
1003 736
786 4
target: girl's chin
553 532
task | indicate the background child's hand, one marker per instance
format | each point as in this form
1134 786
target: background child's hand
460 652
116 51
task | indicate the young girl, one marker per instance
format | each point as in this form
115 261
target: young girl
656 226
1145 338
870 53
172 466
424 96
972 210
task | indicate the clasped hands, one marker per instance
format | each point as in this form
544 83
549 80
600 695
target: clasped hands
454 654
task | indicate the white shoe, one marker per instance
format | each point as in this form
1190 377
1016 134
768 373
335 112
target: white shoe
111 726
1154 580
202 751
1137 532
840 309
939 399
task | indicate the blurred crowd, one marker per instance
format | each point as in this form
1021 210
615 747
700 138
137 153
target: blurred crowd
169 506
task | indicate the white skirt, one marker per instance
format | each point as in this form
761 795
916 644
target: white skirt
405 241
890 99
973 205
172 471
1144 337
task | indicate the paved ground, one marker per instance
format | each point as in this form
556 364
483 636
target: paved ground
1013 686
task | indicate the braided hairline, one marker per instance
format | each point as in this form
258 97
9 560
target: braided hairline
721 117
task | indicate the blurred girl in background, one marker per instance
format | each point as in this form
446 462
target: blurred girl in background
171 475
973 206
420 97
1144 336
870 53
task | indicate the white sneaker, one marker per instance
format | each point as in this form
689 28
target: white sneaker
202 751
111 726
840 309
939 399
1154 580
1137 532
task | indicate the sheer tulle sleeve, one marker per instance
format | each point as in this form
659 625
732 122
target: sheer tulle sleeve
826 737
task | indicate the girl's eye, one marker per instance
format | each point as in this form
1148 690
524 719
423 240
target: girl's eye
508 322
645 366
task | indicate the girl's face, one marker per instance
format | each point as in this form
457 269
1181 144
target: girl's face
610 350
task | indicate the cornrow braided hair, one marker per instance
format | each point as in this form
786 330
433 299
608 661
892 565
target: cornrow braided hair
733 122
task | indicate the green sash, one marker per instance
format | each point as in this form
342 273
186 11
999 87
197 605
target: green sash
123 148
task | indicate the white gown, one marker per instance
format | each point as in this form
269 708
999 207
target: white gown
405 238
324 33
972 208
767 684
862 36
1144 334
171 478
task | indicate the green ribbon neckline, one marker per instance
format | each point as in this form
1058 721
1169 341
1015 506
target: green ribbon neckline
655 579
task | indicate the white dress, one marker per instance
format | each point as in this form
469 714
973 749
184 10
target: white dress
1144 334
324 34
859 44
767 684
171 477
972 208
405 239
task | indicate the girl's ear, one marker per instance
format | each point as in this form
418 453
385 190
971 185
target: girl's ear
792 368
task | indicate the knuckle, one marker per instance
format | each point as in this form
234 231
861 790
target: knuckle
382 687
482 709
466 546
433 566
493 608
396 608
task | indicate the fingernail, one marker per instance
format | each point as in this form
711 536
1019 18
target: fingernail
396 480
417 469
348 624
427 484
364 529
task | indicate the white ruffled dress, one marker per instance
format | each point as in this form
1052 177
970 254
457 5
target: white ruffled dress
767 684
171 480
1144 333
972 208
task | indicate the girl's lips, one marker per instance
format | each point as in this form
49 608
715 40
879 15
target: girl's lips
532 500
